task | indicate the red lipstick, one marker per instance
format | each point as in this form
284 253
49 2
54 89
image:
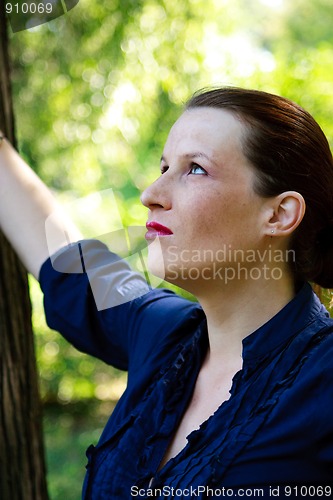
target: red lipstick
156 229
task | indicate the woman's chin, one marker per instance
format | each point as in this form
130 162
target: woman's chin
155 259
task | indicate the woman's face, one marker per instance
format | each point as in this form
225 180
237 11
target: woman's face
205 197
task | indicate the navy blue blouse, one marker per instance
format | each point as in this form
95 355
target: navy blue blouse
275 431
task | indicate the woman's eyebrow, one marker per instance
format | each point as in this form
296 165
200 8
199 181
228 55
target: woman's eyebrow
197 154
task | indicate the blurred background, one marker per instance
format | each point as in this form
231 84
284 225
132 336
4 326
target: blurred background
95 94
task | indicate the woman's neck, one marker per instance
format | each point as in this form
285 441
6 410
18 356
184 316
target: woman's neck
236 310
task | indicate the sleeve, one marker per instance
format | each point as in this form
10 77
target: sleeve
104 308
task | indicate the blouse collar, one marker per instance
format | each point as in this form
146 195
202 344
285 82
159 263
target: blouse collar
289 321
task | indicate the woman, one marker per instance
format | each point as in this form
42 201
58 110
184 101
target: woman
233 393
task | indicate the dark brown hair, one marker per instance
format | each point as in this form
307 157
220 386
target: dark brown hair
289 151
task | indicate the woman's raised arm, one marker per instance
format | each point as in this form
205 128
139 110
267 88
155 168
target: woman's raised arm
25 204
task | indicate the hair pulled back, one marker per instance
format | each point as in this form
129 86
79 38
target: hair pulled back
288 151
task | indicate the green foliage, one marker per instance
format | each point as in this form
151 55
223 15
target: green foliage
69 431
96 91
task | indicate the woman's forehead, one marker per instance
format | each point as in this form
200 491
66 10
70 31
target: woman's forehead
206 127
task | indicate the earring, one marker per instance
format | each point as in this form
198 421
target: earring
272 231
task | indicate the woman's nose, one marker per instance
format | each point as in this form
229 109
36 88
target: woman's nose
157 194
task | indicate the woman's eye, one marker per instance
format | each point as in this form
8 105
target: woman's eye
196 169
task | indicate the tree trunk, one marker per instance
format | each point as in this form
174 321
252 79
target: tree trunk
22 469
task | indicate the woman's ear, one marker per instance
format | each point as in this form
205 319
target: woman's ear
288 210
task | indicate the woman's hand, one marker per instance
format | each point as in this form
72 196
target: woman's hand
25 204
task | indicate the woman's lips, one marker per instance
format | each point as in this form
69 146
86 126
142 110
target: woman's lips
156 229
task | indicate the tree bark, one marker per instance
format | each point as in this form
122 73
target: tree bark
22 468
